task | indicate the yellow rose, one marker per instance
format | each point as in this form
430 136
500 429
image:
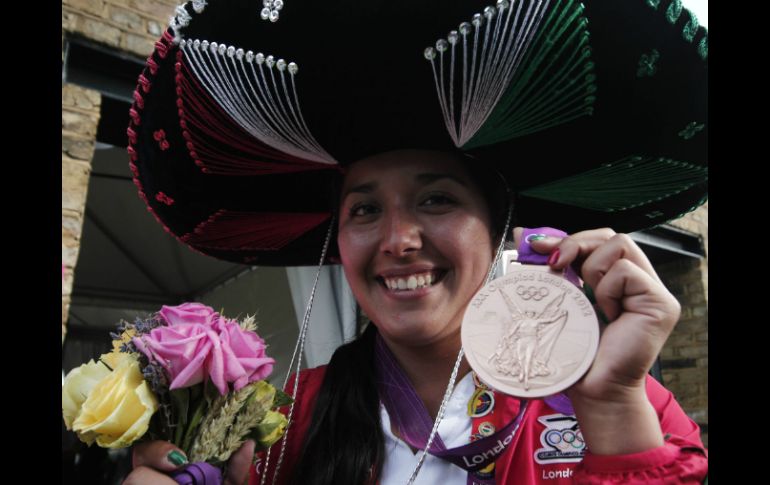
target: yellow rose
76 388
118 409
114 358
270 429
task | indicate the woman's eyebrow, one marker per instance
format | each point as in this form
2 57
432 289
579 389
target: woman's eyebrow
429 178
422 179
366 188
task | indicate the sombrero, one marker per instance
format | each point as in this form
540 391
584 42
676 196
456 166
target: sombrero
247 114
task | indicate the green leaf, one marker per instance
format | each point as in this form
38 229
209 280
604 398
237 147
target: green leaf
180 398
195 421
210 391
196 392
281 399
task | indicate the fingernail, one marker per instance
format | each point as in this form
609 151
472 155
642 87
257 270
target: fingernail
553 258
177 458
536 237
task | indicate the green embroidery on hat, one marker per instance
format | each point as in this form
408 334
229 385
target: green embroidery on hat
632 182
690 28
700 202
553 84
703 47
673 11
648 64
691 130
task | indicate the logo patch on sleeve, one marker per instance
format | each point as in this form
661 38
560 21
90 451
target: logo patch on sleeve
562 440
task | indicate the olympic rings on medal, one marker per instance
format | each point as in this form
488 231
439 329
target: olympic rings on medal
532 292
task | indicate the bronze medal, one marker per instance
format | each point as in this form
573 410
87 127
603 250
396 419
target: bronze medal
530 333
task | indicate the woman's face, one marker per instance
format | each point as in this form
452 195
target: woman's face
415 243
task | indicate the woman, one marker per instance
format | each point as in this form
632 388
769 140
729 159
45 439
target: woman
418 228
422 214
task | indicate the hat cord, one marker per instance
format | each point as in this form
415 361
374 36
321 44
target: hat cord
299 348
455 370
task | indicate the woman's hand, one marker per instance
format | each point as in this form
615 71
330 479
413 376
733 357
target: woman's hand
153 460
641 313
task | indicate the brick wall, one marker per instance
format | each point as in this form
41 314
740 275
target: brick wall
79 119
129 25
684 359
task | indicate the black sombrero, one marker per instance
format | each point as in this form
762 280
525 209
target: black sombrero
595 112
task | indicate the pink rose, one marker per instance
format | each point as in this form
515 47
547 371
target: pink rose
219 349
187 313
245 360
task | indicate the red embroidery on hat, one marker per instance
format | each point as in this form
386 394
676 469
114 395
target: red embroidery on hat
160 137
138 99
162 46
163 198
145 83
134 116
152 65
252 231
219 144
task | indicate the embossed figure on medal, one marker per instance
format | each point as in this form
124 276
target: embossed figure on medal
526 344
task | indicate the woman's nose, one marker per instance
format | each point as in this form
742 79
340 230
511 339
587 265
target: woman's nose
401 235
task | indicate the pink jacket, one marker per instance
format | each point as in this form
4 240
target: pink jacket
545 450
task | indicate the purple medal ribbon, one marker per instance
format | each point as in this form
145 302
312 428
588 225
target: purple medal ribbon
559 402
199 473
410 417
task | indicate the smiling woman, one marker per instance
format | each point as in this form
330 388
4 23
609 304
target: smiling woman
433 119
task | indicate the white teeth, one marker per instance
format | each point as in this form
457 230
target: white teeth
411 282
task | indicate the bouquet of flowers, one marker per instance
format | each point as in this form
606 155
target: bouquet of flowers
187 375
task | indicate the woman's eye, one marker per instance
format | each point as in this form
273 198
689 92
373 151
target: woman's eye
360 210
437 199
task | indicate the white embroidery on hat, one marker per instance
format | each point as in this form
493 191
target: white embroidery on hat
524 68
254 91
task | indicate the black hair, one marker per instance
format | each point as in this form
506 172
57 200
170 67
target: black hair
495 190
345 442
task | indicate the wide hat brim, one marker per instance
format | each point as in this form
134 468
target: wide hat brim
633 158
